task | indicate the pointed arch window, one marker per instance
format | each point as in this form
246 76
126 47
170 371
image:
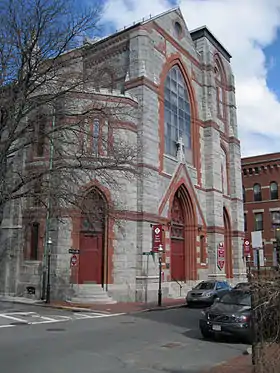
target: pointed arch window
220 94
177 113
257 192
273 190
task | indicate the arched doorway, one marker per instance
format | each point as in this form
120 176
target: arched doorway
182 261
228 247
92 258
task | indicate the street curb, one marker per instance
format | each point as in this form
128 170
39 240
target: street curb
81 309
163 308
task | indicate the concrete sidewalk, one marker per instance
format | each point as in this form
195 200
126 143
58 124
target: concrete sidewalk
120 307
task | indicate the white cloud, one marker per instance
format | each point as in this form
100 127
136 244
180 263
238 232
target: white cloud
245 28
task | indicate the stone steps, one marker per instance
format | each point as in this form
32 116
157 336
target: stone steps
91 293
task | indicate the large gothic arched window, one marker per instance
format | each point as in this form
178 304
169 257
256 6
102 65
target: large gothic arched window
177 114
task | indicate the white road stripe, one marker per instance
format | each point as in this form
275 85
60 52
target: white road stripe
6 326
45 322
20 313
47 318
12 318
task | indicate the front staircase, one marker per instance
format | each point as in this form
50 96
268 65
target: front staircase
90 294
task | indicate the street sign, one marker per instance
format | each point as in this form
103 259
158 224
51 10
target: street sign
147 253
157 237
221 256
73 260
74 251
246 247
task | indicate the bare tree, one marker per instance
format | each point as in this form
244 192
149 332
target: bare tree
41 73
57 132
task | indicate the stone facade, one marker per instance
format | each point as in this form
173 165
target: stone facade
206 176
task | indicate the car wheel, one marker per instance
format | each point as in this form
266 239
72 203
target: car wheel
205 334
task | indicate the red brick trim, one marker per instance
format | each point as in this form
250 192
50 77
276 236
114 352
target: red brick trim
228 243
174 186
175 44
142 80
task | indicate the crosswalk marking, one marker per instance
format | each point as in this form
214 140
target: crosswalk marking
10 319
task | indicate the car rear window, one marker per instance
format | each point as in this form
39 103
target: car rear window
237 297
205 286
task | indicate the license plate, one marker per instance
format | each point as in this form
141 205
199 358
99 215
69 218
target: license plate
217 328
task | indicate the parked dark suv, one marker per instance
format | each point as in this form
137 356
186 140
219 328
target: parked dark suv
228 316
207 291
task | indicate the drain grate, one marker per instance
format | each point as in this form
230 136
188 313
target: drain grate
172 345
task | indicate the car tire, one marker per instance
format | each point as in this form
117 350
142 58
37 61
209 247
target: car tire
205 334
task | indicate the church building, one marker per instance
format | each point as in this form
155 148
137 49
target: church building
181 84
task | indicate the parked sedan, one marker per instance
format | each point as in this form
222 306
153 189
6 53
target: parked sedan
207 291
228 316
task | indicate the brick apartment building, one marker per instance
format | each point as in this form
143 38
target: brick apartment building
261 179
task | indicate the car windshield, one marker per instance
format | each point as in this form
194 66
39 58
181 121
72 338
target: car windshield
237 297
242 285
205 286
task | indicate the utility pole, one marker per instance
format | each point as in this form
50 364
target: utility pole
48 216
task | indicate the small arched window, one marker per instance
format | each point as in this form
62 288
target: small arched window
177 113
257 192
273 190
220 94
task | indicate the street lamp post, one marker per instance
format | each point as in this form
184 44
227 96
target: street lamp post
160 252
48 294
49 207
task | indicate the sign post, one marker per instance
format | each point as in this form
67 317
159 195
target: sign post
221 256
247 255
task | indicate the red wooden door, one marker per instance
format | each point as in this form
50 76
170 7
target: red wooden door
177 241
90 261
177 260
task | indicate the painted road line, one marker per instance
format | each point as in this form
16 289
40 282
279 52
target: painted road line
6 326
46 318
20 313
45 322
12 318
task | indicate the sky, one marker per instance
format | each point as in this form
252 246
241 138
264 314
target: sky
250 30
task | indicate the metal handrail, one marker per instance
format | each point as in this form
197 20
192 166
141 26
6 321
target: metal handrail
180 286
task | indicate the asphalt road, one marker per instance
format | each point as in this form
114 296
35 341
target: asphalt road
154 342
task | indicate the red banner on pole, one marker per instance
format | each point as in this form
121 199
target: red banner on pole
157 237
246 247
221 256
